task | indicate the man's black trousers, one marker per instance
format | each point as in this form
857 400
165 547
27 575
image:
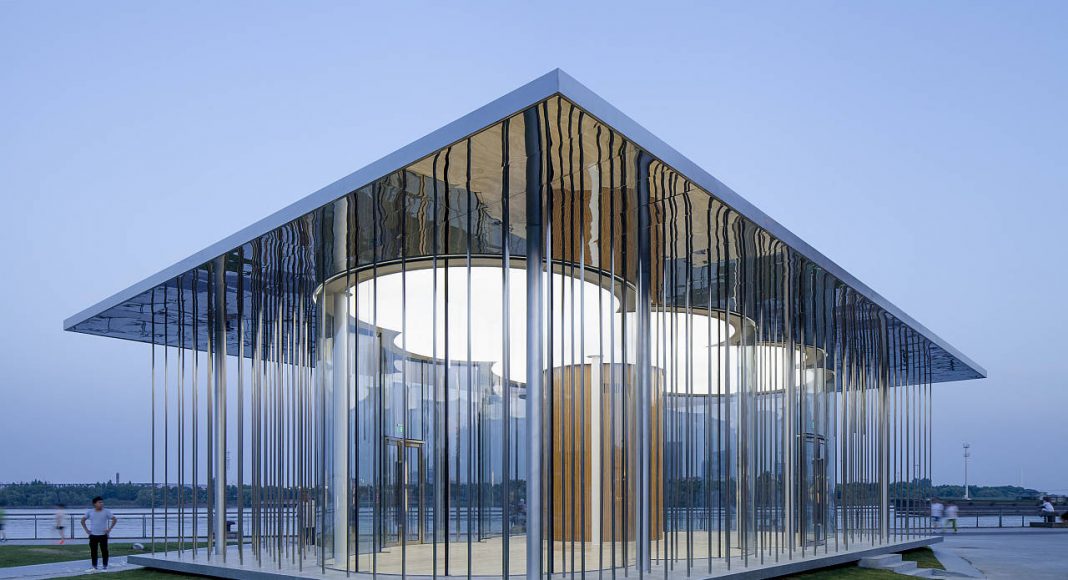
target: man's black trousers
100 542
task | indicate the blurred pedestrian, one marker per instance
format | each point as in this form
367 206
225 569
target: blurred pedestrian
61 523
937 509
100 523
951 515
3 532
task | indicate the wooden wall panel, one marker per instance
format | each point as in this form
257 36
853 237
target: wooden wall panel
572 478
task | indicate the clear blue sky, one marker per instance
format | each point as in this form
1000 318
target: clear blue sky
920 145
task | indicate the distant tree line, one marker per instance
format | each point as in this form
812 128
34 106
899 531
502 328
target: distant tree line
40 494
987 492
922 488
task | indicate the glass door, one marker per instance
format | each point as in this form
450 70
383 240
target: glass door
814 493
404 492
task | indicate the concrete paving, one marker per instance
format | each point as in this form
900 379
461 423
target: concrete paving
1010 554
63 569
954 564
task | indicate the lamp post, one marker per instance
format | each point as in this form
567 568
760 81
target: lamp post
967 456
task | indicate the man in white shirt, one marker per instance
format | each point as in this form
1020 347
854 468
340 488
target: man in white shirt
1048 513
937 509
100 523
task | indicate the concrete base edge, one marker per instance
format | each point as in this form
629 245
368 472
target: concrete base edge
214 570
823 561
772 570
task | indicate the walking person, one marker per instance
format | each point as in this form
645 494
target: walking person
951 515
3 532
61 523
937 509
100 523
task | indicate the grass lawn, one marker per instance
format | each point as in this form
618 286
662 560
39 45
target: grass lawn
924 558
43 554
846 572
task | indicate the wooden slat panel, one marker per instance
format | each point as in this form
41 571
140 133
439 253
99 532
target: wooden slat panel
572 458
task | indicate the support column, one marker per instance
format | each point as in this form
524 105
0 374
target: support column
645 394
339 382
219 271
340 405
595 490
791 434
884 434
532 139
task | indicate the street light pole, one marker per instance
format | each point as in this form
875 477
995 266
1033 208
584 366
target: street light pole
967 456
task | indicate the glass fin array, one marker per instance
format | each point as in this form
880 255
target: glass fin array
539 348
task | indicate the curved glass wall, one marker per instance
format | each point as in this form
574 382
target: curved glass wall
436 352
435 371
539 347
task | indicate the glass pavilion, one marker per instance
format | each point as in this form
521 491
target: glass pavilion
537 340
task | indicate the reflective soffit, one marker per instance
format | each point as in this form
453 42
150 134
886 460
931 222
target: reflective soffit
125 314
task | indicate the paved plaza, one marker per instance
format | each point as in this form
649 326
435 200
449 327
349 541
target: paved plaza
62 569
1023 554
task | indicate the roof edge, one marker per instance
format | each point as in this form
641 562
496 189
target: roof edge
609 114
511 103
554 82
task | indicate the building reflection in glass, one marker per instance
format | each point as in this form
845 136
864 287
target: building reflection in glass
708 394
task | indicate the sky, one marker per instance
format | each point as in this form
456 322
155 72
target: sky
922 146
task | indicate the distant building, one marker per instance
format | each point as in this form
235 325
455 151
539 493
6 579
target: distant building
536 340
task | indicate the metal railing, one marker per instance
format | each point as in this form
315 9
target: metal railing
130 526
139 525
983 519
998 520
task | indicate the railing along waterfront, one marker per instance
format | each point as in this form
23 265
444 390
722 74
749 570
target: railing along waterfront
130 526
139 525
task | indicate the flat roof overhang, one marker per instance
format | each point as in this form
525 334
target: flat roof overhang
556 82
